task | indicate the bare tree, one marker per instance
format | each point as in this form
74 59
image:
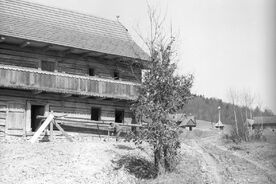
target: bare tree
233 95
248 100
260 104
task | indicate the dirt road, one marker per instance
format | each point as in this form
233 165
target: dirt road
227 166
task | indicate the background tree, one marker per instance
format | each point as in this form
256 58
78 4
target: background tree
234 99
162 93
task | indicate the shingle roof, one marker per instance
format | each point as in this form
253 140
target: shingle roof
265 120
62 27
183 119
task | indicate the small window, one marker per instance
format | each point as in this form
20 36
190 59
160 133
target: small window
48 66
95 114
119 116
116 75
91 72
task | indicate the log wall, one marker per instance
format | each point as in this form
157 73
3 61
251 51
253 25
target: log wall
15 115
68 63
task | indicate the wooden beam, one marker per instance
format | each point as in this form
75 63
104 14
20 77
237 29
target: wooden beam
102 98
51 131
66 95
25 44
99 55
84 96
67 51
47 47
86 54
36 92
63 132
42 127
2 39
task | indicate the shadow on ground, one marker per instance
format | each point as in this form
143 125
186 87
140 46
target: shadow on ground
140 167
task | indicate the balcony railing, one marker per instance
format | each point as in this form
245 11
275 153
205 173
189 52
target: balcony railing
32 79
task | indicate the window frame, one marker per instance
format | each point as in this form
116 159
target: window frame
99 110
116 75
91 69
123 115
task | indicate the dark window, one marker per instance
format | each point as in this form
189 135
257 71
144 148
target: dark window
119 116
91 72
48 66
95 114
116 75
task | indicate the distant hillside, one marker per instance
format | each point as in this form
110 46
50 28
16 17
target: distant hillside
207 109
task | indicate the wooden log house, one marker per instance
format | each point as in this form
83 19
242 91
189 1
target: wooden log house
66 62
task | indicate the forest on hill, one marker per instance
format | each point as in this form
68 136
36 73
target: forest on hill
207 109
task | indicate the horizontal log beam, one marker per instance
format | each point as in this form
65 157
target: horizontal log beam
84 96
25 44
86 54
36 92
67 51
47 47
66 95
2 39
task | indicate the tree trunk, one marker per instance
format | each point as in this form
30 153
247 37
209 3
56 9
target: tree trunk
157 159
166 159
236 122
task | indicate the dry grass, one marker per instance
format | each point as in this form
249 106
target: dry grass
94 161
89 161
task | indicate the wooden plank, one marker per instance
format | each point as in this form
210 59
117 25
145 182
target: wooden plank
68 65
51 131
63 84
42 127
36 92
66 95
98 131
2 39
15 122
63 132
25 44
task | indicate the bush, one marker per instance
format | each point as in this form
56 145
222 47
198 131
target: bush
234 136
257 135
140 167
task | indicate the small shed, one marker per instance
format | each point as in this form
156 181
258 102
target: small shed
265 122
183 120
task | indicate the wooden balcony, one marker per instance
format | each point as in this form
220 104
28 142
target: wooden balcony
32 79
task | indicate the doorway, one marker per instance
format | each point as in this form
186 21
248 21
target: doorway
95 114
119 116
35 111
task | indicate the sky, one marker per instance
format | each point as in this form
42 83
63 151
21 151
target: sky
223 43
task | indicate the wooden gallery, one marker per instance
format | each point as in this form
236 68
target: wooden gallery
67 62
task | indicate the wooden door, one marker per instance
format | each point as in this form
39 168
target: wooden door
15 119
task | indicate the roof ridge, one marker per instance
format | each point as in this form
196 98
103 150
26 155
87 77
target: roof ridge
53 8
